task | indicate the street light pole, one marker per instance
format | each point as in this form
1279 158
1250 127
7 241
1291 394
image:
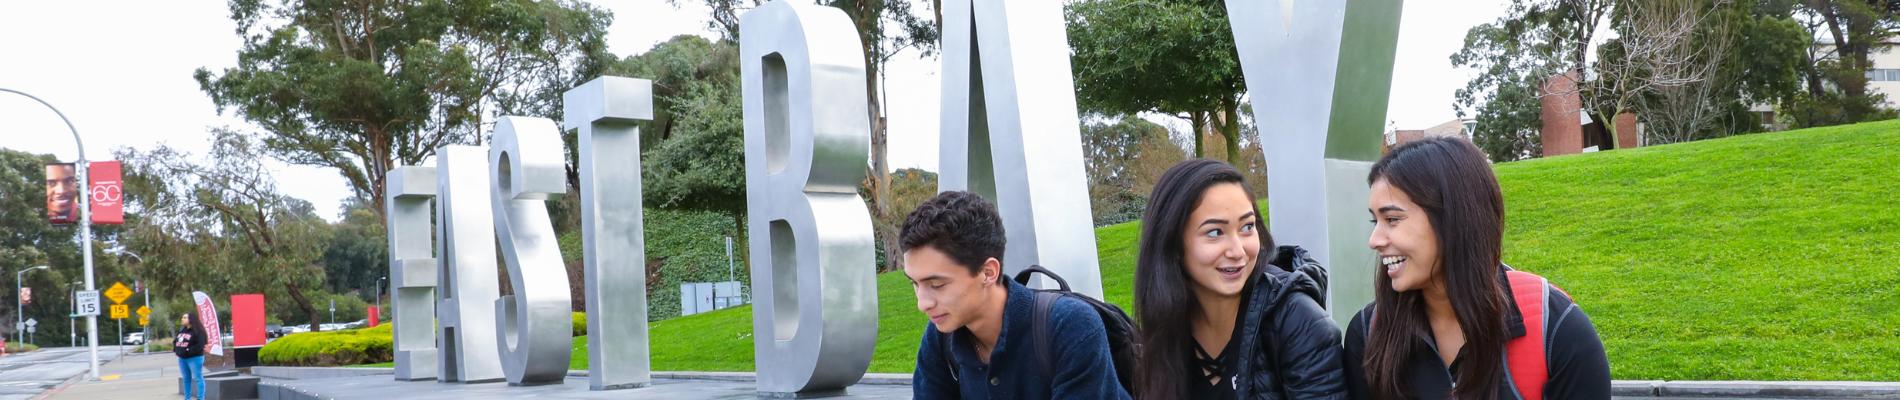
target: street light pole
19 302
379 298
145 343
72 325
85 231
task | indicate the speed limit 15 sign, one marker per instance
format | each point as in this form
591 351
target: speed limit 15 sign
89 303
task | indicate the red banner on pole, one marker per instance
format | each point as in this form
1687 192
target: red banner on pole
62 194
373 318
208 314
107 188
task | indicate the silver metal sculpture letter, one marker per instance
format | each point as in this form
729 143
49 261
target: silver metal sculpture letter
614 254
807 135
469 285
533 326
1319 74
412 270
1010 132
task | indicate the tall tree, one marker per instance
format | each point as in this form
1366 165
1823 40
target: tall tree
360 86
1174 57
1513 56
219 223
1125 155
1690 69
886 28
1845 34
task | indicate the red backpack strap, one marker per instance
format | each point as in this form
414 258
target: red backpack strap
1525 354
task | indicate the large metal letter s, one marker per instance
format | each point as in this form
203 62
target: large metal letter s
533 328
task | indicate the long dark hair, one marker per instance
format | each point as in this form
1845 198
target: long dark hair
1163 301
193 324
1449 178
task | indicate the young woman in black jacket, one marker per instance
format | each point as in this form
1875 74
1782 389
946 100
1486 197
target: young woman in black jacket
1448 319
1217 320
189 346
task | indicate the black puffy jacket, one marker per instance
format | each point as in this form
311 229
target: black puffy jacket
1289 343
189 343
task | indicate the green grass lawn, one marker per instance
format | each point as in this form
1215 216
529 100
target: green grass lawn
1758 257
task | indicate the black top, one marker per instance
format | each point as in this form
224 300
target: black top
1578 368
1201 366
948 366
188 343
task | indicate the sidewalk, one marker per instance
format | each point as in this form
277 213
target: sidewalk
134 376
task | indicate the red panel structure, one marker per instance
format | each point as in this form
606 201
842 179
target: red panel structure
247 320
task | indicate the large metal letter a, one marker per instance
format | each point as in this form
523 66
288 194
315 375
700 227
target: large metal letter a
807 135
1318 73
465 313
1010 132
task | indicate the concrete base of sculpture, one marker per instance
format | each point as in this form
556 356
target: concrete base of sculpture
290 383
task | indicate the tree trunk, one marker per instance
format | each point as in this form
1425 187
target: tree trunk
380 143
1229 123
1197 119
880 161
303 304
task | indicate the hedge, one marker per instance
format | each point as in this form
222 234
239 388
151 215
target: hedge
332 348
350 346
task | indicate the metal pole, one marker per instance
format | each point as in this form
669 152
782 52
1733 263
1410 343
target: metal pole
145 344
72 322
19 307
85 231
379 297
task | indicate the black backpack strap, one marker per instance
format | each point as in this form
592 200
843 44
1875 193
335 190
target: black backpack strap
1022 277
1039 327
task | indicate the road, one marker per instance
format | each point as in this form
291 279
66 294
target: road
25 375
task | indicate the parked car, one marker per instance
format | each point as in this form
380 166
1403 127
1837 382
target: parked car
135 338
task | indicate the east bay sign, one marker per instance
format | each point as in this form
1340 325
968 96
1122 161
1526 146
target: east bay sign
1318 74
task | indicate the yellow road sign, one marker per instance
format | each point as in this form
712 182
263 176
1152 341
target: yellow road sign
118 292
144 321
144 311
120 311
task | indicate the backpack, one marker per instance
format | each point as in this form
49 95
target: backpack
1526 363
1525 357
1119 327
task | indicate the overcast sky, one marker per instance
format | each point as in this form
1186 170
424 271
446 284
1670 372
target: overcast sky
122 73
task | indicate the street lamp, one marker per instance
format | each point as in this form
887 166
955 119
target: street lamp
379 298
85 231
19 302
72 331
147 328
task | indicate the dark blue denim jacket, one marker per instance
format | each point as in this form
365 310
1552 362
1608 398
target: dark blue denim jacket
1084 369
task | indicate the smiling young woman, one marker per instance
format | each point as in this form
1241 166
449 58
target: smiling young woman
1224 315
1449 319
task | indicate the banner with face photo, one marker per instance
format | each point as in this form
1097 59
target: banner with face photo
62 193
